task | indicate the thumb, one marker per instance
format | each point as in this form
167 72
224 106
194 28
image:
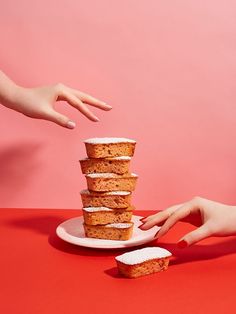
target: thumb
59 119
194 236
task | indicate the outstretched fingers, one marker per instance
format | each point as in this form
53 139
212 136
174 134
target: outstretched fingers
153 220
180 214
90 100
158 218
58 118
78 104
195 236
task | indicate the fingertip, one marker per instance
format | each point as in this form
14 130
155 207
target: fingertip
71 125
143 219
92 118
141 227
156 236
107 107
182 244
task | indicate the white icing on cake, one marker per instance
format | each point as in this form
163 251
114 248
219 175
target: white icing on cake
109 158
142 255
107 193
97 209
108 140
119 225
109 175
118 193
120 158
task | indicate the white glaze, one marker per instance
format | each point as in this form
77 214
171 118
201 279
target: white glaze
107 193
142 255
109 175
119 225
97 209
108 140
108 158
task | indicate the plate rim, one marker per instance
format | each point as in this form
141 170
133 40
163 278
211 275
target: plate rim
120 244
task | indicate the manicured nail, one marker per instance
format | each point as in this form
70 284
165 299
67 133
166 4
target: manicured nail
71 125
182 244
108 106
142 219
140 226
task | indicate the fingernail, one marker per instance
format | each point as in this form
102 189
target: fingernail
140 226
156 235
70 125
96 119
182 244
108 106
142 219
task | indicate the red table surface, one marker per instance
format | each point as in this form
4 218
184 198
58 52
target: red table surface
41 273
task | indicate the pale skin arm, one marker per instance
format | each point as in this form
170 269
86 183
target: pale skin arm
39 102
210 218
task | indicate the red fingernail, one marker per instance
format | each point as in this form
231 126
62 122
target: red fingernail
141 219
140 226
182 244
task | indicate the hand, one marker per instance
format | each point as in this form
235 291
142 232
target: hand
39 103
211 218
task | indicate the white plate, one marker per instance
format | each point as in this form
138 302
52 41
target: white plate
72 231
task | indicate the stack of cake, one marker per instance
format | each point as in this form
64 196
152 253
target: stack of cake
107 208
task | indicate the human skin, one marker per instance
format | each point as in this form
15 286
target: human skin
211 219
39 102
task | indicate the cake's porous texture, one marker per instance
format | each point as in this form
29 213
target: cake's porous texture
102 182
104 215
109 147
114 199
105 165
119 231
143 269
143 262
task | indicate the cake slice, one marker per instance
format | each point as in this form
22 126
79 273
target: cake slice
143 262
104 215
102 182
119 165
109 147
113 199
114 231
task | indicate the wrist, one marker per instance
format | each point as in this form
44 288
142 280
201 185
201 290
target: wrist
8 90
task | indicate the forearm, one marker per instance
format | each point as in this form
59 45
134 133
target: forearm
7 90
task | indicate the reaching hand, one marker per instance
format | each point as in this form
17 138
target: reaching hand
210 218
39 102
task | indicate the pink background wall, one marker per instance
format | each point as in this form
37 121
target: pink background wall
168 68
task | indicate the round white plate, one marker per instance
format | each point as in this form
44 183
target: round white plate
72 231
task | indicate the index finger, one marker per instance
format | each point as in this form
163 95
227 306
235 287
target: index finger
176 216
152 220
90 100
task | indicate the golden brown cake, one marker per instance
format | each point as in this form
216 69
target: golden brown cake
113 199
119 165
114 231
105 215
103 182
143 262
109 147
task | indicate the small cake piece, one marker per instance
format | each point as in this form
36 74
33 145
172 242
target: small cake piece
119 165
114 231
102 182
104 215
113 199
143 262
109 147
